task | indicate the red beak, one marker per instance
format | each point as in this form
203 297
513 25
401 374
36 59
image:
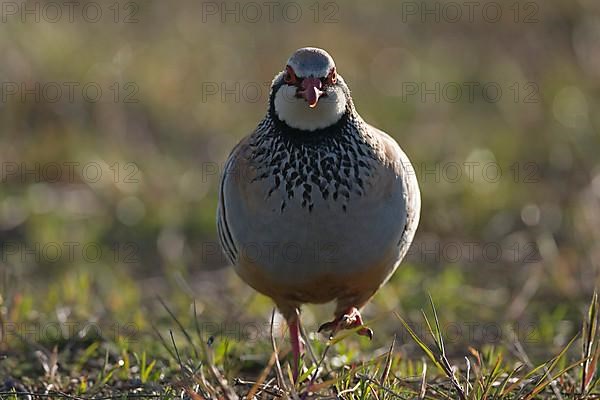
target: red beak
311 91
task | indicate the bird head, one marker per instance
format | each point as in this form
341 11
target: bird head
309 94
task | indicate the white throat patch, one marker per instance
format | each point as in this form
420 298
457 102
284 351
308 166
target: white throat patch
297 114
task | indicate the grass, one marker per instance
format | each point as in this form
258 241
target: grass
180 361
507 306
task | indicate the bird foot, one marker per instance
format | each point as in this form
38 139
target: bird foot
348 320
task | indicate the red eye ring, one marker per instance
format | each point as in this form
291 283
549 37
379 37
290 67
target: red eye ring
332 77
290 76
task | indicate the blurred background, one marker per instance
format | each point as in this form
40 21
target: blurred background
116 118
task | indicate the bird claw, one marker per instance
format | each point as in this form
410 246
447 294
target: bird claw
349 320
366 332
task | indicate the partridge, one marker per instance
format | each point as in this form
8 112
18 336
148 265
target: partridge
316 205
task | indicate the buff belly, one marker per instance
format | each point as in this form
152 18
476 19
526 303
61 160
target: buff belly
319 255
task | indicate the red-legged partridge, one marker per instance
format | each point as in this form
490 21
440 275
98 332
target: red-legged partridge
316 205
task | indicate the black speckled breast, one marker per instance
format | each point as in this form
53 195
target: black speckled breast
333 163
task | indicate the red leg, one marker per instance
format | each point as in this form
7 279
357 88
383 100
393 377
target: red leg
349 319
296 339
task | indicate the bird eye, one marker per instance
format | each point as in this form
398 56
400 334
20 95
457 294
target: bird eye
290 76
332 77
